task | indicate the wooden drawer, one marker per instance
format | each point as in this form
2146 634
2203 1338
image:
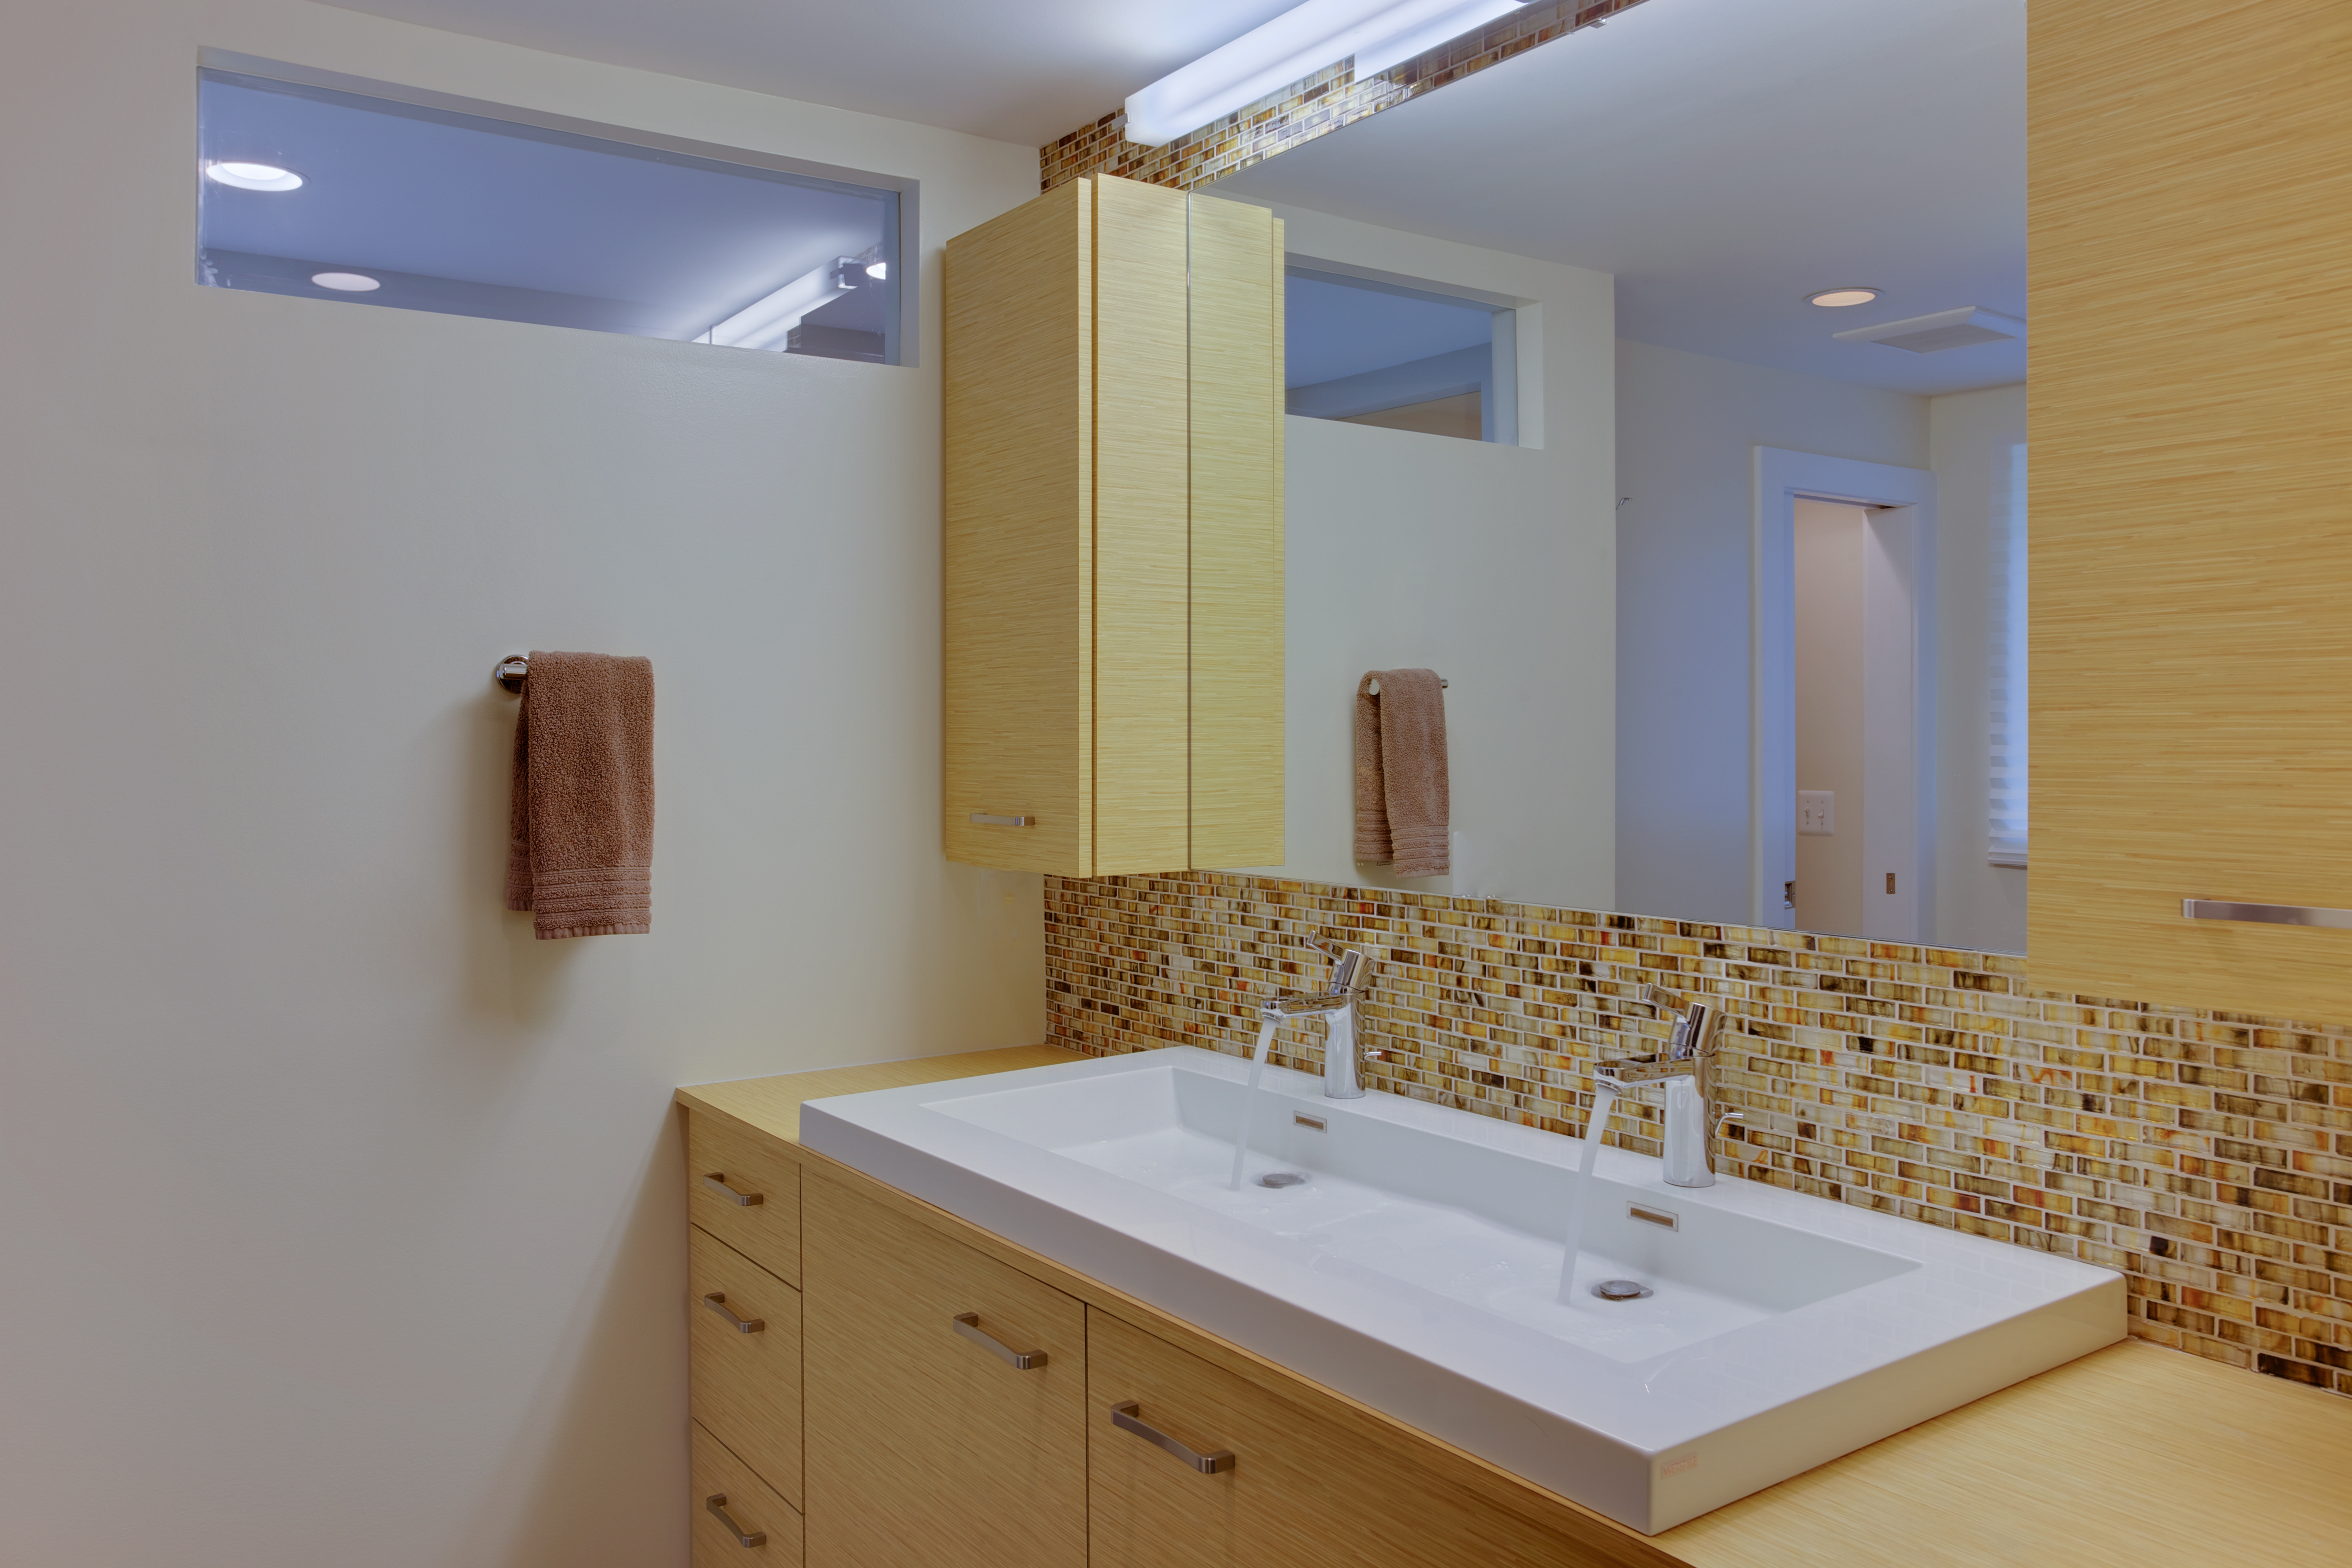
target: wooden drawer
746 1387
752 1507
1301 1491
759 1214
931 1447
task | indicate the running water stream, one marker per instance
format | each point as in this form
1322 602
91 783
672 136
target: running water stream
1604 1100
1249 1100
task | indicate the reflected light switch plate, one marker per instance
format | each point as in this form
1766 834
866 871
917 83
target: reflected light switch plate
1817 811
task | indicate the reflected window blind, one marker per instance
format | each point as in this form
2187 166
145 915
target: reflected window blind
2006 796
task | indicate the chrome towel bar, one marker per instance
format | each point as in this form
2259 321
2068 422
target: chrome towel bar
2269 915
1374 688
510 671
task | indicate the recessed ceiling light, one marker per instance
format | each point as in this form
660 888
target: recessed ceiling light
254 176
879 270
348 282
1836 296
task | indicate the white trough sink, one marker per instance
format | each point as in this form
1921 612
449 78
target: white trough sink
1416 1269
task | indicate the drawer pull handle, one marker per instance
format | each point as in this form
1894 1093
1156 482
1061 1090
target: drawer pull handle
717 1181
2269 915
717 1302
995 820
1123 1415
717 1504
968 1325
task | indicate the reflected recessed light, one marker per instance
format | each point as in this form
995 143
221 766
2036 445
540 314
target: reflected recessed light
1836 296
254 176
349 283
879 270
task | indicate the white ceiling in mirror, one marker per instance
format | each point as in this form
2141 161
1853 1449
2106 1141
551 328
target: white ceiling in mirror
1724 159
1019 72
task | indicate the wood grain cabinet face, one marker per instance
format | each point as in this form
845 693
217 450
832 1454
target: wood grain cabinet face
1112 541
745 1386
1300 1493
926 1445
746 1193
744 1505
2190 540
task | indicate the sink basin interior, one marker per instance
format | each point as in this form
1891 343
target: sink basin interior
1480 1224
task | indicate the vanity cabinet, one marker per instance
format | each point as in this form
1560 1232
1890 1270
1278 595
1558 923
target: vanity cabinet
2190 543
740 1521
743 1358
1289 1486
1112 547
946 1399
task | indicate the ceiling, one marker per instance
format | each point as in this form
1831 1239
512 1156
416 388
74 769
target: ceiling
1724 159
1017 70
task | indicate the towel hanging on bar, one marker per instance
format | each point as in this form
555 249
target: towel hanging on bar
1402 807
580 814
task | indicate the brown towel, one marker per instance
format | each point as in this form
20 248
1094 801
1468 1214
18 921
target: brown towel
1401 793
580 822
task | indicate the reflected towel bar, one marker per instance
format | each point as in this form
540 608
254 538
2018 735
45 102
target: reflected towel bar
2269 915
1374 689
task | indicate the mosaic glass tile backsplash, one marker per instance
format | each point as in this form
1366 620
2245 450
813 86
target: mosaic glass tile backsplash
2207 1156
1305 109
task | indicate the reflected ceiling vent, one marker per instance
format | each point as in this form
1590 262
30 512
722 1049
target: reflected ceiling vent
1958 329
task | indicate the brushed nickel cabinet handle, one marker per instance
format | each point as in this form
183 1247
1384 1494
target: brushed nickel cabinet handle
2267 914
717 1504
717 1181
1124 1417
717 1302
993 819
968 1325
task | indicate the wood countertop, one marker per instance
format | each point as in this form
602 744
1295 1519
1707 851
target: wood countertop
2134 1457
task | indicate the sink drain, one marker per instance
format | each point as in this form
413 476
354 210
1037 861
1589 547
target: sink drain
1286 1179
1621 1289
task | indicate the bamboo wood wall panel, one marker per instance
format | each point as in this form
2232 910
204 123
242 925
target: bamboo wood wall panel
1237 581
1142 747
2191 217
1017 538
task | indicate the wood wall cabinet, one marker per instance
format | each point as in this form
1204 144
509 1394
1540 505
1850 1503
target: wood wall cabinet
1112 545
2190 214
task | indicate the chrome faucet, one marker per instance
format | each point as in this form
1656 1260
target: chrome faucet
1336 1004
1686 1069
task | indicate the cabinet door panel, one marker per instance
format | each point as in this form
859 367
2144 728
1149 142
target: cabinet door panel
2190 544
1236 599
1017 537
1302 1493
925 1445
751 1507
767 1231
746 1387
1142 785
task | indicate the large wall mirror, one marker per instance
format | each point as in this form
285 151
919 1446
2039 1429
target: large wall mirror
1732 621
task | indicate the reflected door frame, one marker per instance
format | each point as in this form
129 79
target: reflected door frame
1899 598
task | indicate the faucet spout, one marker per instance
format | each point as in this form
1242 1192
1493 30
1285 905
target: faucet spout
1337 1005
1687 1070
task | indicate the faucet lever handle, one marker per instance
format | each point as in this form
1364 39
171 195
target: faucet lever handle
1345 962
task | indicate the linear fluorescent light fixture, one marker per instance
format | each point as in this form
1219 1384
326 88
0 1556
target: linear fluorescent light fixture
1298 43
1958 329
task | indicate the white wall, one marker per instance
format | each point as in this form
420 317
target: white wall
1687 425
1831 540
343 1221
1490 564
1977 905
